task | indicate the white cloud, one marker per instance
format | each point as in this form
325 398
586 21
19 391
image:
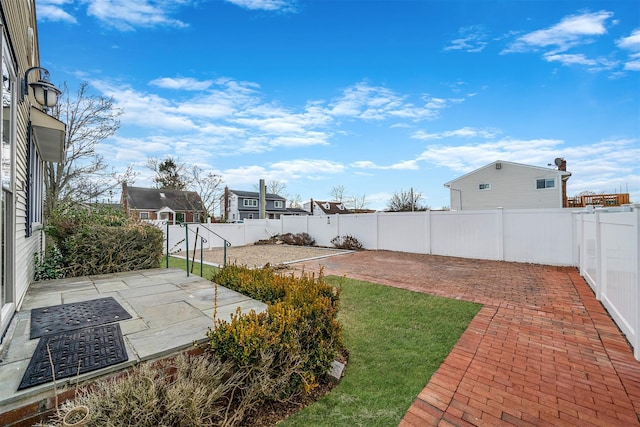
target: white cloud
404 165
127 15
270 5
53 10
567 59
181 83
571 31
465 132
631 43
123 15
632 65
301 167
472 39
379 103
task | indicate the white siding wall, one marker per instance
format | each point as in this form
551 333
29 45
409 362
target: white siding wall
512 186
19 17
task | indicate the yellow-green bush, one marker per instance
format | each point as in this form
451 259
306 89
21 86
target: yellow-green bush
299 335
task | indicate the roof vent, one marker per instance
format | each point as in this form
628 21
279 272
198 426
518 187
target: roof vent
162 196
498 165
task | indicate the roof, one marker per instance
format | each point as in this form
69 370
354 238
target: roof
256 195
492 165
297 211
332 207
158 198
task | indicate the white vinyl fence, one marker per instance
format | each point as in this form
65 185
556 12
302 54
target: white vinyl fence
602 243
213 235
543 236
609 247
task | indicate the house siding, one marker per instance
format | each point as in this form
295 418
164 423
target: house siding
19 17
512 186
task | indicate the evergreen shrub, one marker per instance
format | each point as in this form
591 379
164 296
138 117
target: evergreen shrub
103 240
296 339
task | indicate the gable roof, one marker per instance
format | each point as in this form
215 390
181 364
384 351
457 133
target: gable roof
158 198
332 207
255 195
522 165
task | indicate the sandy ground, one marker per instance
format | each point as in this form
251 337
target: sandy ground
259 255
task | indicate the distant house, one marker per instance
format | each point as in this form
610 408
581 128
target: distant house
239 205
319 208
510 185
174 206
296 211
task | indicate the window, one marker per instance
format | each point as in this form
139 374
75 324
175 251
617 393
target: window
196 217
144 215
484 186
34 187
542 183
277 204
252 203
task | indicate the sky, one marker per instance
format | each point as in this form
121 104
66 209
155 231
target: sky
375 96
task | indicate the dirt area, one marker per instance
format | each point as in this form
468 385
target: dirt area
260 255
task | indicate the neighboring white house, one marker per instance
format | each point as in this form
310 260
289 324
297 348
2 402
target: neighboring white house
319 208
510 185
29 137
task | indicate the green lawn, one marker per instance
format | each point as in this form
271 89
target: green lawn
207 270
396 340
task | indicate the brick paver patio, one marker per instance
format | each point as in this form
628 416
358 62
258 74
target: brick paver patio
541 352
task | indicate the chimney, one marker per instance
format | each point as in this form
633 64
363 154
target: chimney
262 200
125 198
311 209
563 167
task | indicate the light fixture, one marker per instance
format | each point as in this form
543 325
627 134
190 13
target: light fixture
45 93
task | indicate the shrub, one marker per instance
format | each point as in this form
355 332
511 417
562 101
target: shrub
299 239
183 391
100 241
49 265
295 340
346 242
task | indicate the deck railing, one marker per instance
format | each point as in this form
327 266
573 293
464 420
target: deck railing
598 200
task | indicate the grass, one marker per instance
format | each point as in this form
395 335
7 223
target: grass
207 270
396 341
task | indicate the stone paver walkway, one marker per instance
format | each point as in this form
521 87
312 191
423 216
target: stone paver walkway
541 352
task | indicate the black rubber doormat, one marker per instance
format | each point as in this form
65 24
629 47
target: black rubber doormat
75 352
76 315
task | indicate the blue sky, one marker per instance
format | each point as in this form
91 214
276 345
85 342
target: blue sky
375 96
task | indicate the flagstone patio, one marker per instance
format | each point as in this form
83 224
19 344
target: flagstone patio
169 310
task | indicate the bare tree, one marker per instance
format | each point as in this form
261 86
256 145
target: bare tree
274 186
170 173
406 201
83 175
295 201
338 194
208 186
357 202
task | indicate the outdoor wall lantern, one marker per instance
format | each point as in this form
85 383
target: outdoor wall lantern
45 93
